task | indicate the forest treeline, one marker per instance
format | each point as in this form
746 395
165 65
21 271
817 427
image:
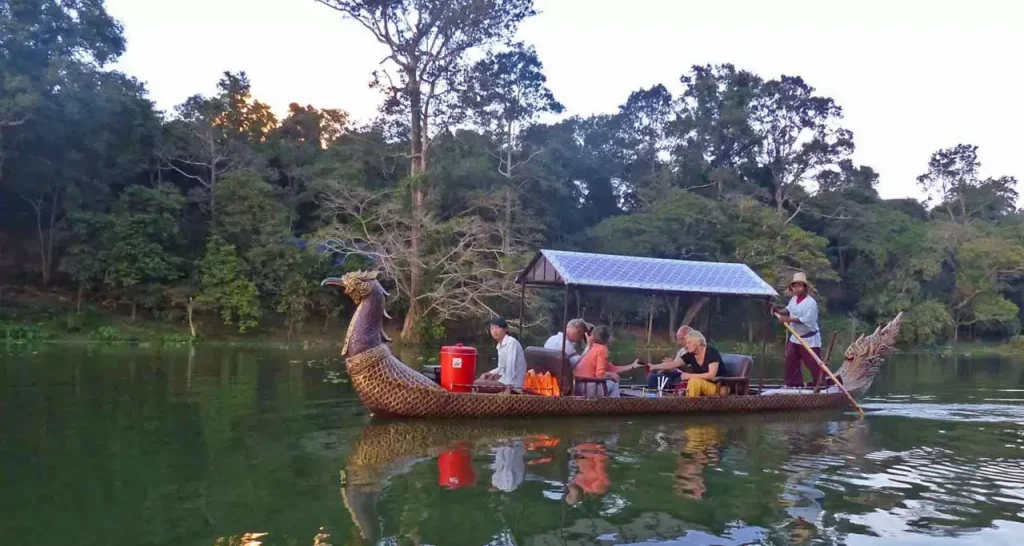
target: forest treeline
221 210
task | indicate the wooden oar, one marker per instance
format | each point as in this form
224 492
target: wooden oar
822 365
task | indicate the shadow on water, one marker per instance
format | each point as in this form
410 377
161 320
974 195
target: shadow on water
238 446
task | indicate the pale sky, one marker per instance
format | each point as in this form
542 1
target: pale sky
912 76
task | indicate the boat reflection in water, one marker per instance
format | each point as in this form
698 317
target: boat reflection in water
591 481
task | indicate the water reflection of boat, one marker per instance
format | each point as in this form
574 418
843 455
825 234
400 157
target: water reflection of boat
579 472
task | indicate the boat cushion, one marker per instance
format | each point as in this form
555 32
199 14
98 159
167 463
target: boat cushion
734 365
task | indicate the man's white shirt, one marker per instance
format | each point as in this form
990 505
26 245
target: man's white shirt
555 343
807 312
511 362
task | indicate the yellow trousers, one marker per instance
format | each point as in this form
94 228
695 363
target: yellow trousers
696 386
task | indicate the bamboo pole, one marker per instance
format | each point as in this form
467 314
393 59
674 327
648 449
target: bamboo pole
823 366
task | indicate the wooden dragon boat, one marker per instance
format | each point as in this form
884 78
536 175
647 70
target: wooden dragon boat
388 387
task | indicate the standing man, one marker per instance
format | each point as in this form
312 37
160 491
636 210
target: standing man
511 370
802 315
574 333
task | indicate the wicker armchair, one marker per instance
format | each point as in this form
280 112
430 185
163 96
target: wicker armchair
737 373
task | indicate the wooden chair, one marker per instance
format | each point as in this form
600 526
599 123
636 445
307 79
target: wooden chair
737 370
585 383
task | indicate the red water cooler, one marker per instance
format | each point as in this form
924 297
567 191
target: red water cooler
458 367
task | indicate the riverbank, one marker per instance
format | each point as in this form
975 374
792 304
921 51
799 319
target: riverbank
27 323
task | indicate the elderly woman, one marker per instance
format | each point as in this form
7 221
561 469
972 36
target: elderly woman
595 363
702 366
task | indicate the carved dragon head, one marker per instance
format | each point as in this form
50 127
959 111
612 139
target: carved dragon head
357 285
360 286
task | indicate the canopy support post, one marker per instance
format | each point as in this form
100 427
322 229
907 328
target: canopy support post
764 340
565 360
711 310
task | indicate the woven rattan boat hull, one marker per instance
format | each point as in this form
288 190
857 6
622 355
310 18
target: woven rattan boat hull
388 387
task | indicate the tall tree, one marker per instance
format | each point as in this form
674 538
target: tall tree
953 182
298 144
507 91
212 136
712 133
428 41
642 127
139 245
798 136
39 40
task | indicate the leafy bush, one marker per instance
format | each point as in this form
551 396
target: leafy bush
926 322
175 338
430 330
111 334
21 333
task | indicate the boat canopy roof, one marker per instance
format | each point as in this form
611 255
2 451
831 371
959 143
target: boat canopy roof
639 274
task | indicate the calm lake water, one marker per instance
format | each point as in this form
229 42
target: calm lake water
135 446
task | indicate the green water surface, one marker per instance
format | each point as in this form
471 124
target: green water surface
137 446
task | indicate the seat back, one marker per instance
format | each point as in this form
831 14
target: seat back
542 360
735 365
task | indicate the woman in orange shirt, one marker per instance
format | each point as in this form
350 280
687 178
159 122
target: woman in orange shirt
595 364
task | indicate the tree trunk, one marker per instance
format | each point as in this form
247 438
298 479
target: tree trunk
417 169
50 236
189 309
135 306
673 317
78 299
507 235
694 310
42 245
650 322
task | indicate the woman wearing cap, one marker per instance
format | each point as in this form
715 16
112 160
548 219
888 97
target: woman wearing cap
802 315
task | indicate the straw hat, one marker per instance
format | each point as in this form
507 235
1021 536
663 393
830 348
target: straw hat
801 277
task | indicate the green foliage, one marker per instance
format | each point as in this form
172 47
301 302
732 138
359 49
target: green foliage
224 286
112 334
926 322
1014 346
220 208
21 333
295 302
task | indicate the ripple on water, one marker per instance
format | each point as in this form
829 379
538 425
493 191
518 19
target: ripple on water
975 413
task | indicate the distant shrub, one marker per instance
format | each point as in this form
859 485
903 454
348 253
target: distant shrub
112 334
1013 346
926 322
21 333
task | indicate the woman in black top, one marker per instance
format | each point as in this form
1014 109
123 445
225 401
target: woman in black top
703 363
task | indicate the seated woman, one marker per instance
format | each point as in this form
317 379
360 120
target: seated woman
702 366
668 371
595 364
